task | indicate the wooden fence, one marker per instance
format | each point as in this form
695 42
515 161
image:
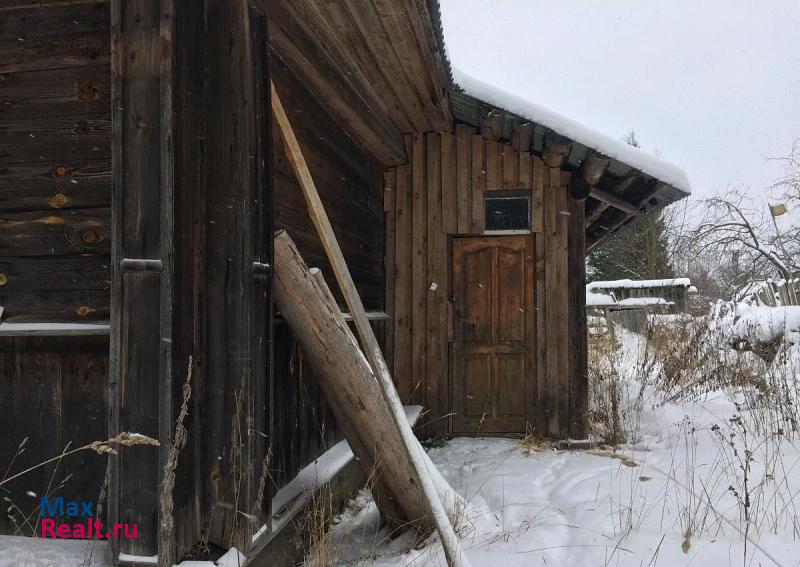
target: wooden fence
778 293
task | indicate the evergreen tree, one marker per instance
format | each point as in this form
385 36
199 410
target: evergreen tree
637 251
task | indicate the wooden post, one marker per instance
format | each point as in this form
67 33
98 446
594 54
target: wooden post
411 447
140 373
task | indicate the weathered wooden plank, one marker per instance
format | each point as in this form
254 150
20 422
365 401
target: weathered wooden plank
405 30
383 61
389 206
464 176
55 185
537 194
84 377
353 113
135 373
55 138
436 390
510 167
350 54
402 285
79 92
494 166
559 295
449 192
9 6
48 273
419 271
579 379
55 232
55 52
55 306
33 22
540 298
34 389
478 184
524 181
261 304
433 68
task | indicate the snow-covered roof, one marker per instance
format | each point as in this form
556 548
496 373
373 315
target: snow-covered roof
644 301
606 145
594 299
639 284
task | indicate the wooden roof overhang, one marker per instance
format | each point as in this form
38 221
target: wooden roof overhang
375 65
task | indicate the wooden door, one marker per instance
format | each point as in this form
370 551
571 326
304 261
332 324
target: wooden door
493 374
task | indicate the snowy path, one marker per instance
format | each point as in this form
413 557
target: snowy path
592 508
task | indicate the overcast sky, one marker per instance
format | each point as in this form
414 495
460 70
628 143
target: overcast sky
714 84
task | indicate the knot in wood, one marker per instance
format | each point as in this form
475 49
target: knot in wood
58 200
83 310
61 171
90 236
3 280
88 90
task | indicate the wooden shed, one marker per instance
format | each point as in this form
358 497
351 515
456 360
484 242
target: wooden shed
140 185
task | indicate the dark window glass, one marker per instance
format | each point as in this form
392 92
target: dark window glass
507 213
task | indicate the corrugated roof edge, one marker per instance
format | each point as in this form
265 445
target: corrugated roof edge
529 110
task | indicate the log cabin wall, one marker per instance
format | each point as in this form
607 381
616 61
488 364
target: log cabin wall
55 162
55 194
438 195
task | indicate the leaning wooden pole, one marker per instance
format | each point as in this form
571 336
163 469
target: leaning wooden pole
350 388
411 446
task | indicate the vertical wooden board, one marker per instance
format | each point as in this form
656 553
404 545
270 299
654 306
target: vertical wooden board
402 283
553 310
510 175
35 389
419 272
478 183
540 308
141 200
524 181
449 182
437 293
262 221
531 379
231 251
537 194
85 380
389 204
494 166
579 381
561 297
464 176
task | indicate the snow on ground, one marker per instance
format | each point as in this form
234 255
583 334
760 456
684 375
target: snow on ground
676 494
19 551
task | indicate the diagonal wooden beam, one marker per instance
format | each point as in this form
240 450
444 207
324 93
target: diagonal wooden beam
372 350
614 200
618 189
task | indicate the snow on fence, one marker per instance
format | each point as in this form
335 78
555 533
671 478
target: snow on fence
771 293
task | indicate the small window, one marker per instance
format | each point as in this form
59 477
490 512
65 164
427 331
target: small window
507 212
